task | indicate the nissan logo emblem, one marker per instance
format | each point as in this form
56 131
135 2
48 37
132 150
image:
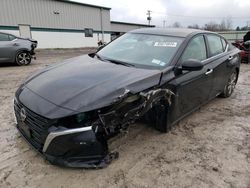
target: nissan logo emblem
23 115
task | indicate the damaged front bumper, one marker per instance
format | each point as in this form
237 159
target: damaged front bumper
70 147
76 148
87 146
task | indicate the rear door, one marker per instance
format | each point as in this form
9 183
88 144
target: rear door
221 60
7 47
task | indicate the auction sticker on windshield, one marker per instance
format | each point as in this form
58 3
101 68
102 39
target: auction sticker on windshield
166 44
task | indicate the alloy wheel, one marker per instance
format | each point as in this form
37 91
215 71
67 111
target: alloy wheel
23 58
231 83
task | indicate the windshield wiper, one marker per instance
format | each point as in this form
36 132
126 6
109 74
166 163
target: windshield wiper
118 62
99 57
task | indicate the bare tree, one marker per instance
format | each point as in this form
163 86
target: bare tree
211 26
222 26
229 23
176 25
194 26
225 25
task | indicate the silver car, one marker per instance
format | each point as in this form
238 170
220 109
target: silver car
16 49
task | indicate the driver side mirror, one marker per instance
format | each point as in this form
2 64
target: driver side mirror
192 65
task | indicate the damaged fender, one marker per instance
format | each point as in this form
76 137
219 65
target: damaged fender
123 113
129 109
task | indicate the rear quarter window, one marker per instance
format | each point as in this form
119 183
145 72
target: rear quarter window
224 43
231 47
11 37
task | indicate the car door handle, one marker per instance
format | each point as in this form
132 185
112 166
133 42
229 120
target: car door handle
230 57
209 71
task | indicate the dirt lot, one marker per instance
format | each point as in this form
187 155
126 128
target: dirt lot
210 148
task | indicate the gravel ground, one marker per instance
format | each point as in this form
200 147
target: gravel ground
210 148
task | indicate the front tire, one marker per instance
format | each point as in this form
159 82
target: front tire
23 58
157 117
229 87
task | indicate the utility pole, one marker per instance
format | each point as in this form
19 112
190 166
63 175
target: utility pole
101 12
149 18
248 24
164 23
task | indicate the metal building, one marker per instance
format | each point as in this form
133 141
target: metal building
56 23
60 23
119 28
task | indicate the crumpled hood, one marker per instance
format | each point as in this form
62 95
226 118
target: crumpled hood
84 83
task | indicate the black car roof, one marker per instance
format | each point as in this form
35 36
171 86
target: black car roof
177 32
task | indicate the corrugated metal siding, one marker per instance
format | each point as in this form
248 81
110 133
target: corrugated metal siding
117 27
40 13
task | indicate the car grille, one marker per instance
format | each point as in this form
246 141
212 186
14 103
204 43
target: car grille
34 128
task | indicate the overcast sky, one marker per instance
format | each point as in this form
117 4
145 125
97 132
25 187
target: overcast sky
187 12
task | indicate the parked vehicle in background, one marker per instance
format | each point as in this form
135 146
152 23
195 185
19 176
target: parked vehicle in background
15 49
245 50
69 111
244 46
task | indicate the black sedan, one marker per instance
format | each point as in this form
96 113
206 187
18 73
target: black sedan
70 110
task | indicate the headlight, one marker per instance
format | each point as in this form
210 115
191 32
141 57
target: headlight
80 118
84 119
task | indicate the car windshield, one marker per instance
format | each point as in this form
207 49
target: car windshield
141 50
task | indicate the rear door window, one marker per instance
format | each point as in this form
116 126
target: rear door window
4 37
215 45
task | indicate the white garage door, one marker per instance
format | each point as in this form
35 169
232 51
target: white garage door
25 31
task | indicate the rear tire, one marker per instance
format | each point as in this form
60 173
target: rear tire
229 87
23 58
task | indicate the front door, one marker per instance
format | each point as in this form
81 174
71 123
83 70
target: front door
192 87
